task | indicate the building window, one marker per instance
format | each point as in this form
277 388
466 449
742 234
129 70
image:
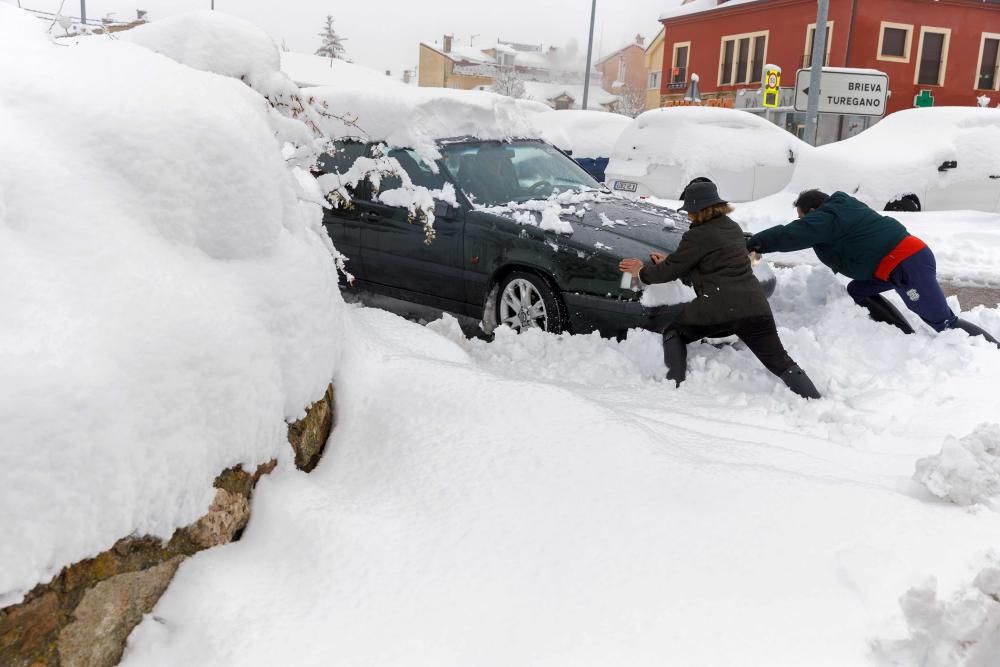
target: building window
989 62
654 80
678 74
742 58
894 42
932 56
811 42
621 70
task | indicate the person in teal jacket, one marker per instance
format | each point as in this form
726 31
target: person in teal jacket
875 251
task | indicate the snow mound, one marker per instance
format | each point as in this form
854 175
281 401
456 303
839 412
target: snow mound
417 118
589 134
967 471
168 290
900 154
961 632
700 139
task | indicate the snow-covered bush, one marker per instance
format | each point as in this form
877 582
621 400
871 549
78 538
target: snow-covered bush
967 471
168 289
961 632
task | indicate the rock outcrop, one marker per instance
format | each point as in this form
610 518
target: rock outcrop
83 617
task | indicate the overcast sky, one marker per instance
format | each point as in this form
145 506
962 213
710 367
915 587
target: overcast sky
385 34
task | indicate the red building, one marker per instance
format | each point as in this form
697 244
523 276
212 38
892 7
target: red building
948 47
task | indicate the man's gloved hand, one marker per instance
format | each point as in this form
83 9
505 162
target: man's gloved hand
752 246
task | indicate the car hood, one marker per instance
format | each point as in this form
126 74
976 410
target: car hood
628 227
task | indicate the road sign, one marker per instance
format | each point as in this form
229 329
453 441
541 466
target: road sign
772 86
924 99
845 91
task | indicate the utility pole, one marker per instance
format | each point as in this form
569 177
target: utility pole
83 12
816 71
590 55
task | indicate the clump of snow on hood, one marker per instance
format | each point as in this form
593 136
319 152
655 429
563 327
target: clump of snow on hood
700 140
169 293
417 118
961 632
901 154
588 134
966 471
550 214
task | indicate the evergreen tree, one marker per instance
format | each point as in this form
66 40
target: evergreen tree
333 44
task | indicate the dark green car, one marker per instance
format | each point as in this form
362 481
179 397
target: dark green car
489 258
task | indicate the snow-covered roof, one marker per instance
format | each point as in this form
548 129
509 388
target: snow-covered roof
306 69
588 133
417 118
698 6
544 92
901 153
700 139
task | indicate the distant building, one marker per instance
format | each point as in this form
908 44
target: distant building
950 48
625 68
549 76
654 68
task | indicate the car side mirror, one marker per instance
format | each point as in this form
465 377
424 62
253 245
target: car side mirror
948 164
445 211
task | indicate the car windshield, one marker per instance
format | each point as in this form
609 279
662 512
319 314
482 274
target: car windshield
495 173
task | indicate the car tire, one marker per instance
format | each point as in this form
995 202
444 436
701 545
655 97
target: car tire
906 204
526 300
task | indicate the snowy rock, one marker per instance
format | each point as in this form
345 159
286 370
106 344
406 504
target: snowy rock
967 471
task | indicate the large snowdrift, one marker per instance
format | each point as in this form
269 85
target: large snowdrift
168 291
544 500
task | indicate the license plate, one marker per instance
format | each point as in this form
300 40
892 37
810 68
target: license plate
627 186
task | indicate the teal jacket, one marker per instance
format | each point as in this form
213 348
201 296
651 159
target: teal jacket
848 236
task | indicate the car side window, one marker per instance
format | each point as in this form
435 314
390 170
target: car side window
341 159
420 173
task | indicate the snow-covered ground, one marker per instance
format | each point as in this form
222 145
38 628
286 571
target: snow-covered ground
543 500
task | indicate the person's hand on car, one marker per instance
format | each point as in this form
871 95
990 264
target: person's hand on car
658 257
633 266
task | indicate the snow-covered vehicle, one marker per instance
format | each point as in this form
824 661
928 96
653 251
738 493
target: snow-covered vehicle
522 235
588 136
662 150
944 158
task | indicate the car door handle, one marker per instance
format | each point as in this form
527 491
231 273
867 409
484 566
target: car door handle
995 176
369 216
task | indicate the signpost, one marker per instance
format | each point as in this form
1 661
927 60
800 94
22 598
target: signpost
772 86
845 91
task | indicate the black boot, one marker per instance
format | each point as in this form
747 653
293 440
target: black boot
799 382
675 356
973 330
881 310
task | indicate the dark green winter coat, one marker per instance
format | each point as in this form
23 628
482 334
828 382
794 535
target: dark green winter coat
847 236
712 257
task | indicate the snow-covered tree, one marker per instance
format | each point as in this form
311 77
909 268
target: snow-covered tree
333 44
631 102
507 82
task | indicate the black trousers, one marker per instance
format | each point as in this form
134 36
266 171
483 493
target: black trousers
759 334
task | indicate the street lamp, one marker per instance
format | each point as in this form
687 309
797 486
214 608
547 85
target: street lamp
590 54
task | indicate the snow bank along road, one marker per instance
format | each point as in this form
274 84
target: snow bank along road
544 500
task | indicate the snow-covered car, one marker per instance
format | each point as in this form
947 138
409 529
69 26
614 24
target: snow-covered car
662 150
522 235
588 136
945 158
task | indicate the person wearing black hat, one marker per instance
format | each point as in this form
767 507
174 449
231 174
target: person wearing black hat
875 251
712 257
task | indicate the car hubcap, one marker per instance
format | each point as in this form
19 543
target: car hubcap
522 307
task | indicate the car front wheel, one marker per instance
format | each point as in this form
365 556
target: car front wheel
527 301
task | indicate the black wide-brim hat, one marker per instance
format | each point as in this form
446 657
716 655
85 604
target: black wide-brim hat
699 196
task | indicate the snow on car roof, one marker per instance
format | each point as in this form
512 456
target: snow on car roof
306 69
590 134
901 154
700 138
417 118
